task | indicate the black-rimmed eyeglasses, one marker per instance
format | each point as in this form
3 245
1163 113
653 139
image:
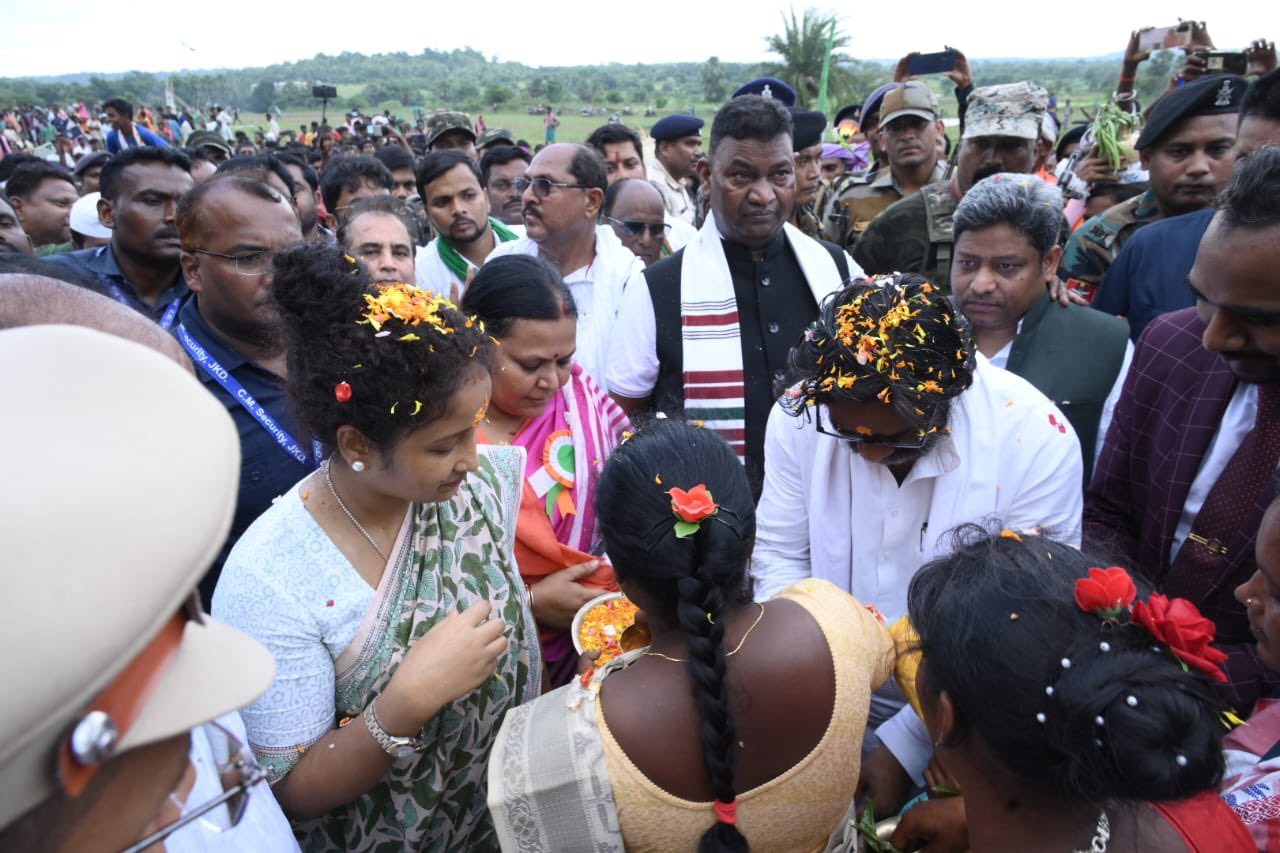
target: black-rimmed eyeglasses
635 228
542 186
901 441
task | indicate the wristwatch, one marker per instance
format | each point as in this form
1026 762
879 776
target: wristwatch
396 747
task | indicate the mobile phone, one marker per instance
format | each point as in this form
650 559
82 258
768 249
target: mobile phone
1161 38
932 63
1225 61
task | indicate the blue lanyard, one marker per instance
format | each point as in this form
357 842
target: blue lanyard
229 383
118 294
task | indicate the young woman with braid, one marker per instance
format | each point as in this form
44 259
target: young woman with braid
739 727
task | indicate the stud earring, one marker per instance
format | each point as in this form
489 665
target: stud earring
357 466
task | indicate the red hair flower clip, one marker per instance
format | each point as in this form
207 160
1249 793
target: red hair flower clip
1178 624
1106 593
691 508
342 391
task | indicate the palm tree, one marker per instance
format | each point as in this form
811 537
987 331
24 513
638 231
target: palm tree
803 46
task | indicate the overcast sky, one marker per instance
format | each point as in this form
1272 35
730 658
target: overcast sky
47 37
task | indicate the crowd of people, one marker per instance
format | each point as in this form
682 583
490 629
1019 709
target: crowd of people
943 473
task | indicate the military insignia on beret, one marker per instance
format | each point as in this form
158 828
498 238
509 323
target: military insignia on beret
767 91
1225 91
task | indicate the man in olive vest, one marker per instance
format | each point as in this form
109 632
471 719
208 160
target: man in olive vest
1002 126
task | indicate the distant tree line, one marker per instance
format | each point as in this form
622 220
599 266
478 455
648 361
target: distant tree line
466 79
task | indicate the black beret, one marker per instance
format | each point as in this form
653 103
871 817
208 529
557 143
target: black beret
769 87
853 112
676 127
1218 94
808 127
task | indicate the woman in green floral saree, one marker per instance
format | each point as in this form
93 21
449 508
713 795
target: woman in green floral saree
385 582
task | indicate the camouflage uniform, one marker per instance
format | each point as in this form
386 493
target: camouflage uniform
860 202
1093 248
916 234
805 219
912 235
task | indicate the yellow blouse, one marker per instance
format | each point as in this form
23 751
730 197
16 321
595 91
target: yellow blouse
797 810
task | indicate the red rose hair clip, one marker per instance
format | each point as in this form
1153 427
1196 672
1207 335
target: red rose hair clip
342 392
691 508
1176 623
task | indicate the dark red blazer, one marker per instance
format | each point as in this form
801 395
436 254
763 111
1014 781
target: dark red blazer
1173 400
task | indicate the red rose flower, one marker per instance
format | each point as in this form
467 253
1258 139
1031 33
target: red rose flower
691 508
694 505
1179 625
1106 593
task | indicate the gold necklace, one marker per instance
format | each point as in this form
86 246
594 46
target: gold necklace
736 648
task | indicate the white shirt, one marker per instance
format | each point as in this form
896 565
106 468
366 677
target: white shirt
681 233
597 289
826 512
1237 422
263 827
431 272
674 196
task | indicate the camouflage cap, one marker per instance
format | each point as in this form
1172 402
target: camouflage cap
496 136
203 138
443 122
1014 109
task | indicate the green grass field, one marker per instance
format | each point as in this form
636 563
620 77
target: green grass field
574 127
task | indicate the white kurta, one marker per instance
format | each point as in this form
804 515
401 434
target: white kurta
828 513
597 290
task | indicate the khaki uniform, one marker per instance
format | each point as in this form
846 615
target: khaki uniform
912 235
805 219
675 198
1093 248
861 202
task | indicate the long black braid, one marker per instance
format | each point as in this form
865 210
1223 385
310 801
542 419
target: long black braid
690 580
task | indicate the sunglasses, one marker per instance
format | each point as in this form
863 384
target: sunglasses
542 186
635 229
899 441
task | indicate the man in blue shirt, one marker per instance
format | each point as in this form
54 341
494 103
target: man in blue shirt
125 133
231 228
139 268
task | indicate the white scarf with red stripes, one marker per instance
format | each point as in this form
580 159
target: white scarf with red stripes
711 338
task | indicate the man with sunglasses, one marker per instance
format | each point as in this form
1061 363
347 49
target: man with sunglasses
620 148
231 228
892 432
119 667
562 191
634 208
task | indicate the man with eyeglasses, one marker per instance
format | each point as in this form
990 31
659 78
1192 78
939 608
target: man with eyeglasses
634 208
99 727
891 432
140 190
453 196
706 332
500 167
230 230
562 192
620 148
